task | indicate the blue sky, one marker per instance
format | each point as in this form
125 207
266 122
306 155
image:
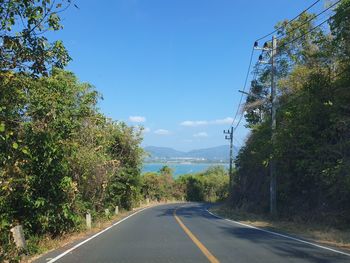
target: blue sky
173 66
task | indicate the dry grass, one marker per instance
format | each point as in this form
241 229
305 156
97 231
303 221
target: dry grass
47 244
320 233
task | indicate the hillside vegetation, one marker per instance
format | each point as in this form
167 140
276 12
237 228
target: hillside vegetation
312 143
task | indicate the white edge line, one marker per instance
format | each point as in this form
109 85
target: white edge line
95 235
281 235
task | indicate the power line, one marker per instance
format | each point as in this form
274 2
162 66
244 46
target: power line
312 18
245 85
239 122
303 35
242 114
305 10
250 63
333 78
239 143
293 40
312 29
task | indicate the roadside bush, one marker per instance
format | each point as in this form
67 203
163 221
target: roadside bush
60 157
209 186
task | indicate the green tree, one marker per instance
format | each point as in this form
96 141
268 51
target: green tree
24 47
151 186
125 185
210 185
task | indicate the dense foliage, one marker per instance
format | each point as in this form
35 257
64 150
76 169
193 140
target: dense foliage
59 156
312 145
209 186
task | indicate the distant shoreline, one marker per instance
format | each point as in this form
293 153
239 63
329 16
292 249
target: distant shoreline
185 162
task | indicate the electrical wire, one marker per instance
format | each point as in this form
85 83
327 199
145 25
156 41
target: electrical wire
312 18
303 35
293 40
245 85
242 114
250 63
238 142
296 17
312 29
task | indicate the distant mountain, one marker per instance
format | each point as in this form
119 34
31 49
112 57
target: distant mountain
162 152
213 153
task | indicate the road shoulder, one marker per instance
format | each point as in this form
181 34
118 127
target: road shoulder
71 240
329 238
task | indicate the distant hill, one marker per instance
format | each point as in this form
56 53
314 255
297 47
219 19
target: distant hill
162 152
213 153
216 153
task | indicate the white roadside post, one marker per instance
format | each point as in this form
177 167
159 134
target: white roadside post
107 212
88 220
116 211
18 237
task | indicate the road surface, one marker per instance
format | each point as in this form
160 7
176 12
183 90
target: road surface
188 233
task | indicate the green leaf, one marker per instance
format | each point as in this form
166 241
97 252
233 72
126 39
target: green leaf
25 151
2 127
15 145
39 202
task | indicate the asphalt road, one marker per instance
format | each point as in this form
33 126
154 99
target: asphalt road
188 233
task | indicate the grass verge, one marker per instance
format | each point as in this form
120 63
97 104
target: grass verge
320 233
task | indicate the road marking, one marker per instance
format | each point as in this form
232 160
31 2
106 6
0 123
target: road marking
281 235
195 240
92 237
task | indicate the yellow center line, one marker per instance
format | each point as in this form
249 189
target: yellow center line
195 240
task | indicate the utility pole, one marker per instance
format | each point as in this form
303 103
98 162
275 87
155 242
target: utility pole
273 185
273 190
230 137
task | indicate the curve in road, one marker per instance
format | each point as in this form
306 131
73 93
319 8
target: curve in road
189 233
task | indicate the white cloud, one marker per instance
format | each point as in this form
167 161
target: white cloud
227 120
162 132
146 130
137 119
193 123
200 135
